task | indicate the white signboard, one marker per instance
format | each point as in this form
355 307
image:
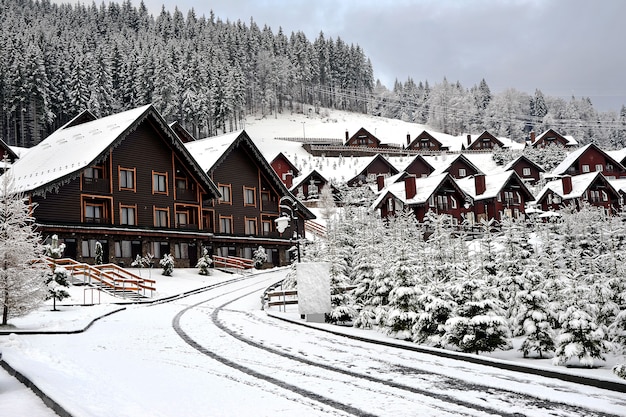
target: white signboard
313 287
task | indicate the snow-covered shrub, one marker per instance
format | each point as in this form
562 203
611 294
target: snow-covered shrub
204 263
167 263
430 325
260 257
57 284
580 338
620 370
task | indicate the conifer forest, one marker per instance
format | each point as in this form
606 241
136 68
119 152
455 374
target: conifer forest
208 74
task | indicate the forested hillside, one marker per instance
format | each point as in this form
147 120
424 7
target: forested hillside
209 74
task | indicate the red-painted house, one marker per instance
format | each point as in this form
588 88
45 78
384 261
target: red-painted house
460 167
362 138
592 188
590 158
525 169
495 196
419 167
428 141
551 137
285 169
438 193
484 141
371 168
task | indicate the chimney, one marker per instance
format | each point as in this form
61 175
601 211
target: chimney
408 139
289 179
409 187
532 136
479 184
347 136
469 139
567 184
380 181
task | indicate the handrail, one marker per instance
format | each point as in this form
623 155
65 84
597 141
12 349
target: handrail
315 228
111 276
233 262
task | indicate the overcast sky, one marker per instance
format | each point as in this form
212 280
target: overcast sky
561 47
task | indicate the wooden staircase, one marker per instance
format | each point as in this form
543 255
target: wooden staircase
108 278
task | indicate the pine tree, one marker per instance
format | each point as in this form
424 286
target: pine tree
22 268
534 320
167 263
204 263
57 280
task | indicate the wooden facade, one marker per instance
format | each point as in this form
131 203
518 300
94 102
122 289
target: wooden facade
244 217
548 138
461 167
593 189
285 169
131 205
590 158
426 142
419 167
526 169
377 166
362 138
484 141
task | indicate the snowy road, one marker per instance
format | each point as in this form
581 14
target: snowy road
216 353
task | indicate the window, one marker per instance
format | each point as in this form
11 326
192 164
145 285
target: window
159 183
595 196
182 218
89 247
181 251
94 172
161 217
128 215
462 172
605 196
249 196
127 179
250 226
585 168
226 224
453 202
599 168
442 202
267 227
509 198
225 190
160 248
96 212
123 249
431 201
526 172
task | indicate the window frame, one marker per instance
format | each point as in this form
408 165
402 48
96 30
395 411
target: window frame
247 222
462 172
126 207
156 175
121 170
526 172
230 193
245 196
165 210
230 223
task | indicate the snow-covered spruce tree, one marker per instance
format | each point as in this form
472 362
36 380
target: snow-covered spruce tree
22 267
437 306
57 280
478 324
341 301
167 263
617 332
204 263
580 336
534 320
327 202
260 257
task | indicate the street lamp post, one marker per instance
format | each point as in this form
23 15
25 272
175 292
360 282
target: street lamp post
282 222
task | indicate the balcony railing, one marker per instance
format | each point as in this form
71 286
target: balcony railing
186 194
97 220
100 185
270 206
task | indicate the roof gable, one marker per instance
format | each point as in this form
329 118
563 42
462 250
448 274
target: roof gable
361 134
573 157
484 137
522 159
282 158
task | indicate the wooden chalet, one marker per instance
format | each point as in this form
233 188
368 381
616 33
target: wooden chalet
495 196
484 141
459 167
285 169
362 138
592 188
439 193
125 181
243 218
373 167
526 169
419 167
551 137
9 156
308 187
590 158
428 142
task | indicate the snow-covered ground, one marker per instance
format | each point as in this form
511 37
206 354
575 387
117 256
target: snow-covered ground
217 353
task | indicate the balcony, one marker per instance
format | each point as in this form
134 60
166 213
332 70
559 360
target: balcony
97 185
270 206
186 194
97 220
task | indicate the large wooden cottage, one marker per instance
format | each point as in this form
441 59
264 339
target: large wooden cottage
243 218
126 181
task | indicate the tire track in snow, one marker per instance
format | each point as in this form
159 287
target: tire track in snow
443 398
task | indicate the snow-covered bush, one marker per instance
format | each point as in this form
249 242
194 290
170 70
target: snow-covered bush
260 257
167 263
534 321
620 370
57 284
204 263
580 338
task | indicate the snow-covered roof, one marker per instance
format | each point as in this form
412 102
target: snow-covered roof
569 138
618 155
209 150
424 188
569 160
512 163
300 179
494 183
580 183
69 150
